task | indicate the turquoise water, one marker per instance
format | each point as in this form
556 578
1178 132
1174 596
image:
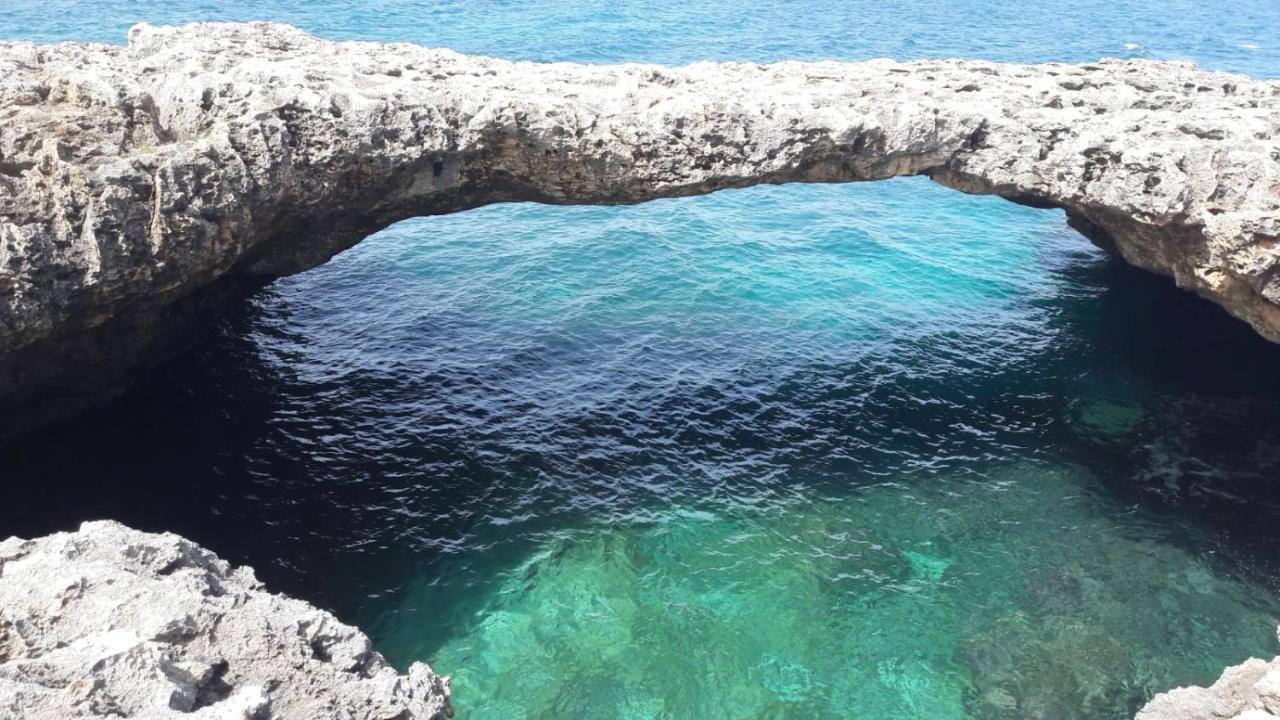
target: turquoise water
875 451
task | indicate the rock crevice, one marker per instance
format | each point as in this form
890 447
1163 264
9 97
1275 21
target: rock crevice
134 179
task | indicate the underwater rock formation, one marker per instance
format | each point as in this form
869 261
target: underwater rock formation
141 186
1248 691
113 622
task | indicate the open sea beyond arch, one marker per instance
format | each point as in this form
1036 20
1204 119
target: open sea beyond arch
873 451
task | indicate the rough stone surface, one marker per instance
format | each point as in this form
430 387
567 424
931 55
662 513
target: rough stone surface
1249 691
113 622
138 182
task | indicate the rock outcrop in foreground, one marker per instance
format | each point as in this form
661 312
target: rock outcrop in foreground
1249 691
141 185
114 623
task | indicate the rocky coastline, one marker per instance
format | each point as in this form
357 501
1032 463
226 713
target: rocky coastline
141 187
144 187
109 621
1248 691
112 622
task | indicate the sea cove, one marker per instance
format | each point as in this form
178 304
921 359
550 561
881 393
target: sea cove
858 450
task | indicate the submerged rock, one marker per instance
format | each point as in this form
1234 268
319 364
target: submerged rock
113 622
1104 421
141 186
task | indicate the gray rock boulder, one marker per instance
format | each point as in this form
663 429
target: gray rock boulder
113 622
142 186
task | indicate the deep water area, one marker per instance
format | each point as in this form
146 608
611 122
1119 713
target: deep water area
875 450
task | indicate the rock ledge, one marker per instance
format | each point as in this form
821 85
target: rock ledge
113 622
1248 691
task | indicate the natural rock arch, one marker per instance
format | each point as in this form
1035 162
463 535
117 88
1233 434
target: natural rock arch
139 185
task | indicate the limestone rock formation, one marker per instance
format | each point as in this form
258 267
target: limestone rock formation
113 622
140 185
1249 691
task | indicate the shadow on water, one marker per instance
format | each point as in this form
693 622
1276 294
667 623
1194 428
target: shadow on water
205 447
1186 408
405 469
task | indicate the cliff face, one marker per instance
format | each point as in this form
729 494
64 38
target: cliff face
112 622
141 185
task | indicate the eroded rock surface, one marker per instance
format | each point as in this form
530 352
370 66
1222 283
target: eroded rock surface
139 184
1249 691
113 622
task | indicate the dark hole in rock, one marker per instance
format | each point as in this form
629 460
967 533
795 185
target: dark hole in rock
215 689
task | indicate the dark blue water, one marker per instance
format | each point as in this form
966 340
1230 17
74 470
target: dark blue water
870 450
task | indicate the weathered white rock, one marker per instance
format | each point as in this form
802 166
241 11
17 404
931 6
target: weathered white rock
138 184
1248 691
113 622
1268 688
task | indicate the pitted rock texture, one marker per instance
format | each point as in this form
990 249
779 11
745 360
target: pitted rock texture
137 182
1249 691
113 622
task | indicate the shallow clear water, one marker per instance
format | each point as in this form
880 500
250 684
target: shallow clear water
809 451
